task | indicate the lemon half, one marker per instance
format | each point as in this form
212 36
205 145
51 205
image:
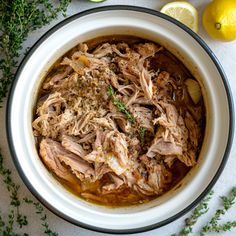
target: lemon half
183 12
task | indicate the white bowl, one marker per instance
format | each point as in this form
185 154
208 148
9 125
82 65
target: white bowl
182 42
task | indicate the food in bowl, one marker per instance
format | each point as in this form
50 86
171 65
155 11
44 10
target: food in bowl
185 45
119 120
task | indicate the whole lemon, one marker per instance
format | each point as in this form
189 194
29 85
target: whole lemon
219 19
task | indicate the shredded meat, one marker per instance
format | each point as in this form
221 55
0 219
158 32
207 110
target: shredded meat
158 176
87 135
69 144
114 186
115 141
49 153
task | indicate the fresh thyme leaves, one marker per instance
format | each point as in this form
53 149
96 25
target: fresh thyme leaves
225 227
21 220
142 131
9 227
18 19
119 104
122 108
13 190
201 209
110 91
6 228
229 201
39 210
212 225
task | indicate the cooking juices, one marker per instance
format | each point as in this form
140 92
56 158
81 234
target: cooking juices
119 120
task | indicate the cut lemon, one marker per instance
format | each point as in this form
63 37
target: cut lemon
183 12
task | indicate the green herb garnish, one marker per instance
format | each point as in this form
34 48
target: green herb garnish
200 210
39 210
142 131
119 104
110 91
17 20
213 224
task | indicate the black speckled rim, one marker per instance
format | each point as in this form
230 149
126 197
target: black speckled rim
230 104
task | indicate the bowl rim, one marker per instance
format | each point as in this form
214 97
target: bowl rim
205 48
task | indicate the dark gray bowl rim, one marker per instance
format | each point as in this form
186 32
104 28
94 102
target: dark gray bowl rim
195 37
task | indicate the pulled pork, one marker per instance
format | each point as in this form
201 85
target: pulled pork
87 137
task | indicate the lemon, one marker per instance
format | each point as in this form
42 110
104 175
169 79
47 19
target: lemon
219 19
183 12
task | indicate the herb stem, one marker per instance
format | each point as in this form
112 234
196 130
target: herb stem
142 132
17 20
120 105
213 224
200 210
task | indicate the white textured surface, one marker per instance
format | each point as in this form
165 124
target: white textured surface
226 53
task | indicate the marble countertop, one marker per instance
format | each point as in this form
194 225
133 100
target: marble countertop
226 53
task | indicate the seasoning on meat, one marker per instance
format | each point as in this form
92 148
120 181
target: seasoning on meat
115 120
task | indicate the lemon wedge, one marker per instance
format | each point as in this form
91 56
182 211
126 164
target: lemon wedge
183 12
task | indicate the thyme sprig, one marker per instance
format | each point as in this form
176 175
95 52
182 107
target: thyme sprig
119 104
200 210
39 210
142 132
13 189
17 19
213 224
15 217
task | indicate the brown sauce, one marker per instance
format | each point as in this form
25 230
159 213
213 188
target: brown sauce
125 196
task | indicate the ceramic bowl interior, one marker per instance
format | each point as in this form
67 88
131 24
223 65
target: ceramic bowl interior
181 42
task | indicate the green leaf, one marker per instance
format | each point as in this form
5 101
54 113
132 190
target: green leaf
17 19
119 104
142 131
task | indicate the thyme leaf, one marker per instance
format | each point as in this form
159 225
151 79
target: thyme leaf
39 210
142 131
13 189
119 104
200 210
213 224
229 201
17 19
110 91
225 227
